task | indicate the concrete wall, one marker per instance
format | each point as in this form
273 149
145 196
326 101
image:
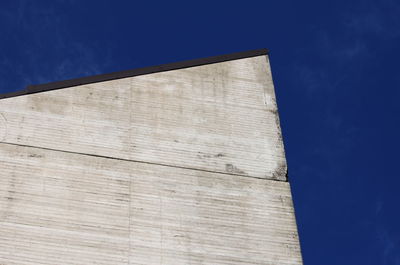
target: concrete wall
178 167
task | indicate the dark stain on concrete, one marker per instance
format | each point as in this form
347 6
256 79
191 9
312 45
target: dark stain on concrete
280 172
277 122
35 155
10 197
233 169
204 155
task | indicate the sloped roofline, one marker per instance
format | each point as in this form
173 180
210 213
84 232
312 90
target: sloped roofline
32 89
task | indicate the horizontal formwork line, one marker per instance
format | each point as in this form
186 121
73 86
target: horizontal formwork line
137 161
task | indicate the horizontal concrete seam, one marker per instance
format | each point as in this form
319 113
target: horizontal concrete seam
138 161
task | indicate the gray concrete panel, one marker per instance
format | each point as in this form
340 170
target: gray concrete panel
65 208
220 117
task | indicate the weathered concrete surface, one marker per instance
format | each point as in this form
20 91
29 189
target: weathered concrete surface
220 117
177 167
63 208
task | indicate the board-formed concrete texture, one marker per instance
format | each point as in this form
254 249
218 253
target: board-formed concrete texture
177 164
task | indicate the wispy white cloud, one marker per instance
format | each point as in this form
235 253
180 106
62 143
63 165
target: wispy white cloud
378 18
391 248
47 48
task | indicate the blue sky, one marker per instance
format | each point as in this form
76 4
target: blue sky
337 79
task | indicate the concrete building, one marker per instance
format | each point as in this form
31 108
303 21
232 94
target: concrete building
180 163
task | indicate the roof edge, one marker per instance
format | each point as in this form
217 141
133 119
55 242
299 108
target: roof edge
31 89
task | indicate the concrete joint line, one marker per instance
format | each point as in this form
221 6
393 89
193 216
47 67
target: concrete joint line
138 161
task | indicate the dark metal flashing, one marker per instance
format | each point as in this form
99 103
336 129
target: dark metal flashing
31 89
